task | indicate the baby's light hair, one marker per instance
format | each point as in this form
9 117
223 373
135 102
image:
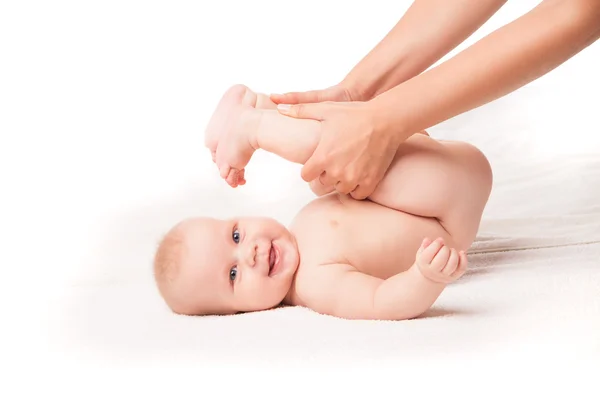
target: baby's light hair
167 261
167 266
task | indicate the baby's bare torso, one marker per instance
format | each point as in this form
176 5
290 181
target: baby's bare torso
376 240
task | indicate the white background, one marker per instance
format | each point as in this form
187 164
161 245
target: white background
102 111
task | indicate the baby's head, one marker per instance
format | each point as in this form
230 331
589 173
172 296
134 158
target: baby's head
209 266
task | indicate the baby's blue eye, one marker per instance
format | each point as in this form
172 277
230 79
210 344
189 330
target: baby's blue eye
236 236
233 273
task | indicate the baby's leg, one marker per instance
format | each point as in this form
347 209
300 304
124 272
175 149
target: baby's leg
446 180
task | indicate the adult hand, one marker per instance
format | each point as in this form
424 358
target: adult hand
353 153
333 93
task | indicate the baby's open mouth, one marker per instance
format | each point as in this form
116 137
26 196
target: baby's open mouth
273 259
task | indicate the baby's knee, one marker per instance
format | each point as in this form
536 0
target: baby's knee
477 165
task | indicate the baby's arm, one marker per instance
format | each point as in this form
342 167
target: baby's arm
344 292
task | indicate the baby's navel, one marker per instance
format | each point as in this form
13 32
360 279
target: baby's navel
333 223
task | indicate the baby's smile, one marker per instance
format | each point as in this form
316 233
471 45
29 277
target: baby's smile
274 258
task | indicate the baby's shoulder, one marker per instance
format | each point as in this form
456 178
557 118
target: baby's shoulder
316 211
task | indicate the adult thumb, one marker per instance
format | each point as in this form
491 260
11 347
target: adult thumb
304 111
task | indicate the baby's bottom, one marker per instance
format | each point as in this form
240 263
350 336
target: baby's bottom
446 180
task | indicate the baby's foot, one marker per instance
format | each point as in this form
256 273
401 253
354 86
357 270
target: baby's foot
229 131
440 263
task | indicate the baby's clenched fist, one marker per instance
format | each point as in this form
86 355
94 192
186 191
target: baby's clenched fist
440 263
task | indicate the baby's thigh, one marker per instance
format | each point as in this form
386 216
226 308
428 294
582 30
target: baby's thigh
471 177
446 180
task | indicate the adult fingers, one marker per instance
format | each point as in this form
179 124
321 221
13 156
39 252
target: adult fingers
367 186
312 96
314 167
345 187
305 111
327 180
364 189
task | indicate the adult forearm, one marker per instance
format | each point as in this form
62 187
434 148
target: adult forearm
500 63
406 295
427 31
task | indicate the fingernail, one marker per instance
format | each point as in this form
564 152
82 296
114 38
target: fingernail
283 107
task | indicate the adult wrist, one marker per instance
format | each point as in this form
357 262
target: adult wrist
386 123
353 89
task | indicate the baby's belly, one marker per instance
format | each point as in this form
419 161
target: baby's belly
380 241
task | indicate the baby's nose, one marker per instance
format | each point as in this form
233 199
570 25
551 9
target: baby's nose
249 255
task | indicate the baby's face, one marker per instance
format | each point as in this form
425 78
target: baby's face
228 266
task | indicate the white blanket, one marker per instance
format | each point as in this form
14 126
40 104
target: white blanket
531 289
527 311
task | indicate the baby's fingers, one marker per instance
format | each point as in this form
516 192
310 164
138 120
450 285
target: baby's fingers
429 250
462 265
441 259
452 263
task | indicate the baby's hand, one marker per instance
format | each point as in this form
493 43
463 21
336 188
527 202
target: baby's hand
440 263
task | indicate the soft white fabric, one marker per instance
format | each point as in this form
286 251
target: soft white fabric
532 288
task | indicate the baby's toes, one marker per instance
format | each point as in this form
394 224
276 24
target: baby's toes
233 177
236 178
241 177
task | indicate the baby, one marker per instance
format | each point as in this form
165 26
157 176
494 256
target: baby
388 257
